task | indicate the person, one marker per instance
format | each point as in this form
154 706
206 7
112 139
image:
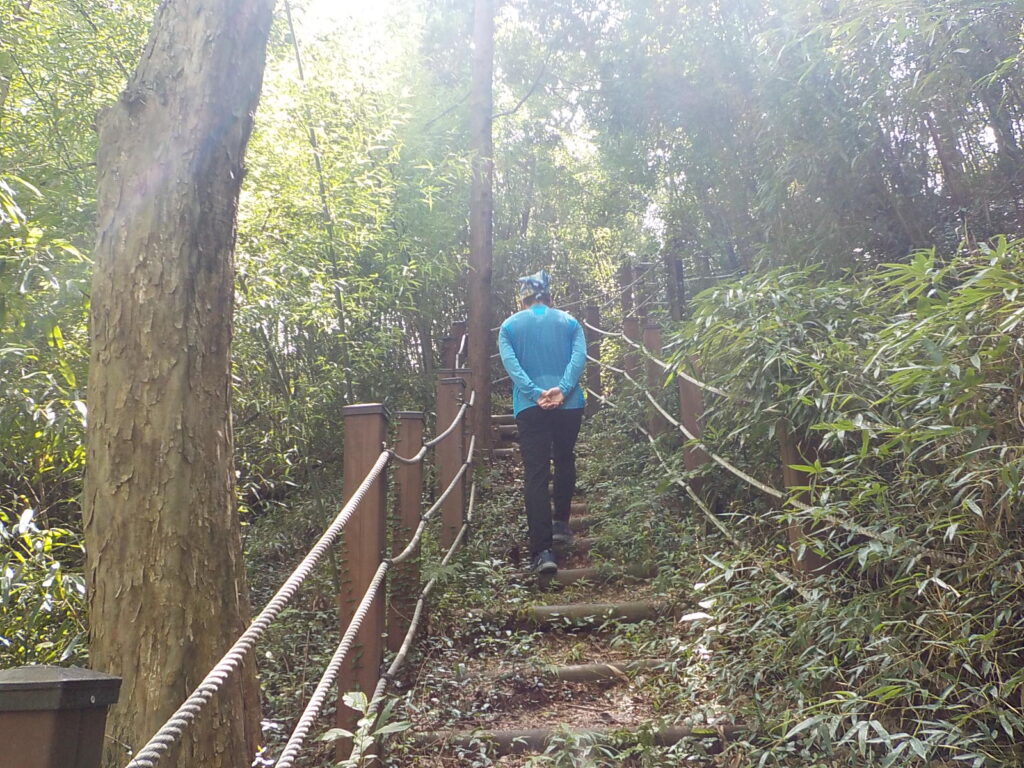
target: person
544 350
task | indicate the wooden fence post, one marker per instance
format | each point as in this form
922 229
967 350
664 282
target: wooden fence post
626 289
631 360
594 350
656 423
793 453
405 580
449 348
450 453
691 411
53 717
362 551
643 291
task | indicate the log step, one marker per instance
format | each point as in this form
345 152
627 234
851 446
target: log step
535 740
595 673
555 616
503 418
508 431
604 574
505 453
578 508
577 524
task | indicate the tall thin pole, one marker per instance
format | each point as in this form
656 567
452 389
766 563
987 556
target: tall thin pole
481 225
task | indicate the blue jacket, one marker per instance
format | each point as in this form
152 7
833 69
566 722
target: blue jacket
542 348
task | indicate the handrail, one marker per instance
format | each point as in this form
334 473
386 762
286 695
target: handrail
399 661
775 492
169 733
608 296
456 420
663 365
462 348
703 507
330 675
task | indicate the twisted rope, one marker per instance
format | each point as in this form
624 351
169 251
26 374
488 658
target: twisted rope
330 675
150 755
661 363
399 661
848 525
431 443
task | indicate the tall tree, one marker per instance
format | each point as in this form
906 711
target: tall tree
481 210
164 567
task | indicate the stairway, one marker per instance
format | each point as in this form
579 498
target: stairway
574 691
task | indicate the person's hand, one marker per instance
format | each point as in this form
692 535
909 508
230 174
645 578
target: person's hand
551 398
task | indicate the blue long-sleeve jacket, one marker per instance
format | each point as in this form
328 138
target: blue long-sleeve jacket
543 348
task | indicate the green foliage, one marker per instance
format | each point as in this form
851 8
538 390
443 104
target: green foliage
901 385
41 602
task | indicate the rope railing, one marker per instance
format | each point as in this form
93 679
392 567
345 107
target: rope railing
662 364
399 661
890 540
608 297
459 417
459 355
704 508
169 733
150 755
316 703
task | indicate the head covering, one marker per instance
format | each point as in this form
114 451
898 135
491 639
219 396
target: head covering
535 287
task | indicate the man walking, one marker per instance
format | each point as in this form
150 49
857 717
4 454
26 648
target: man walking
544 351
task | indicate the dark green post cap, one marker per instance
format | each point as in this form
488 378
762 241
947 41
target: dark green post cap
54 688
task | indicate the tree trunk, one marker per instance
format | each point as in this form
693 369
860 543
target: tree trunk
167 591
481 232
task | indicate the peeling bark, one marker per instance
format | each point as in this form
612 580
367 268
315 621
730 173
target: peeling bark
167 590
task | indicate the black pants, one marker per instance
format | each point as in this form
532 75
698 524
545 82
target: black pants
546 436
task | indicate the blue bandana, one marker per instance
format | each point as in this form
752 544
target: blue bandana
535 287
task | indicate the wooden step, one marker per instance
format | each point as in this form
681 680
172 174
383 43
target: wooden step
578 508
508 431
595 673
589 614
535 740
577 524
505 453
605 574
503 418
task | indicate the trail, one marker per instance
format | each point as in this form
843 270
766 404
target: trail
542 667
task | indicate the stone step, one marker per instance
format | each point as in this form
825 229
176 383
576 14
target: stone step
537 740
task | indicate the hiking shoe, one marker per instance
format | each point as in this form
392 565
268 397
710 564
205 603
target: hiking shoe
544 564
560 533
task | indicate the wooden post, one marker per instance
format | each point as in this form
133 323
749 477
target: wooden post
362 551
449 348
626 289
656 423
642 290
450 453
691 411
594 350
631 360
54 717
675 288
405 580
793 453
